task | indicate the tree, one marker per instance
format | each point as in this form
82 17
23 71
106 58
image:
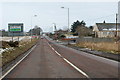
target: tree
35 31
4 33
76 24
91 27
84 31
82 23
104 21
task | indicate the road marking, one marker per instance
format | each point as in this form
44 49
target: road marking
55 50
75 67
79 70
58 53
17 63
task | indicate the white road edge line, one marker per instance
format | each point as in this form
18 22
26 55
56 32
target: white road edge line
75 67
17 63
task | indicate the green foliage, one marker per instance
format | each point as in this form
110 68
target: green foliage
35 31
3 33
91 27
51 35
75 34
62 36
13 44
6 44
76 24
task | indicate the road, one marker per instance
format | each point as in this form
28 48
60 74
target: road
51 60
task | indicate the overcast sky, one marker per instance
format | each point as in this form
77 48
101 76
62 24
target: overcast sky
51 12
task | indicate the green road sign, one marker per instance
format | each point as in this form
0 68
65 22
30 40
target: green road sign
15 27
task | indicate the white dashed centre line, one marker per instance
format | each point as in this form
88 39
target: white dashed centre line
75 67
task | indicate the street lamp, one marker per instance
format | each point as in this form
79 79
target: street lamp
68 16
31 24
68 20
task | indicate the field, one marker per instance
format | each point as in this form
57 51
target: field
112 47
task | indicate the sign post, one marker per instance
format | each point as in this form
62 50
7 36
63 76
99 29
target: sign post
15 28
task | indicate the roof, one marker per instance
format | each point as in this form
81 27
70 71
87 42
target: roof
62 30
104 26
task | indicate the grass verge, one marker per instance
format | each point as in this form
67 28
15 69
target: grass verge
11 55
105 47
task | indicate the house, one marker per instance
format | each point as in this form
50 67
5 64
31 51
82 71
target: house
118 12
106 30
61 31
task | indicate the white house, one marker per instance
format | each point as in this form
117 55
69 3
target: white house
106 30
119 12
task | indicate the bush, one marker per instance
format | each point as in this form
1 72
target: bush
11 55
13 44
4 44
62 36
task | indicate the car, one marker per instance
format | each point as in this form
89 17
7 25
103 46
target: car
42 37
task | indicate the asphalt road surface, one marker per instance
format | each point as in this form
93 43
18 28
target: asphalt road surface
44 62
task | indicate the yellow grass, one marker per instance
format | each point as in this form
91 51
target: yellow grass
103 46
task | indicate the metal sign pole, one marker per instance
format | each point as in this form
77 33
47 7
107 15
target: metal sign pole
12 36
116 27
18 38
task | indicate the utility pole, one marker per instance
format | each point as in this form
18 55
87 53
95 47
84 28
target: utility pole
116 34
